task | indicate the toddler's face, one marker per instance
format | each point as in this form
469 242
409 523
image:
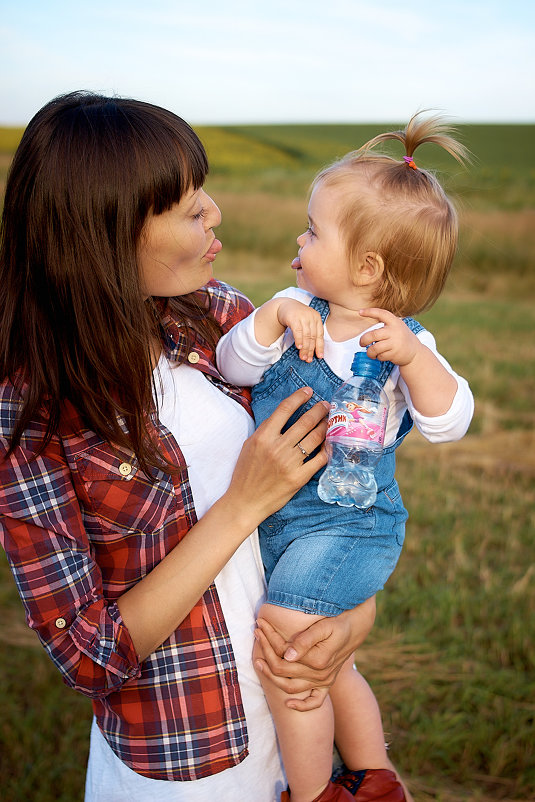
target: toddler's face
322 266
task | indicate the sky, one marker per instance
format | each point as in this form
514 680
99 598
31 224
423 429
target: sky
275 61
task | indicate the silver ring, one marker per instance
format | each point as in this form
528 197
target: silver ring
302 450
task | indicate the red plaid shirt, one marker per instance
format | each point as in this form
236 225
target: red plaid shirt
80 525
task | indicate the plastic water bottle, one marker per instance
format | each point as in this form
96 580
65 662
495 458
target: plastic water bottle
355 437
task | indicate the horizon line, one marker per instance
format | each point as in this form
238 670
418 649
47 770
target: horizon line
384 121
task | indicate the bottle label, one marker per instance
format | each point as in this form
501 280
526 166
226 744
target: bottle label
351 421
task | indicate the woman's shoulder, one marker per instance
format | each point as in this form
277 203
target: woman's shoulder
10 404
217 289
227 304
70 425
15 469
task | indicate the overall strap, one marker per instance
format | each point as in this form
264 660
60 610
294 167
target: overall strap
384 373
321 306
413 325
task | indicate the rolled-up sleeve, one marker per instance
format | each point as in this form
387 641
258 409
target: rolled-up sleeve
60 584
240 357
454 424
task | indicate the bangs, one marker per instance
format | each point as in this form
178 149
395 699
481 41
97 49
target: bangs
137 157
169 157
173 162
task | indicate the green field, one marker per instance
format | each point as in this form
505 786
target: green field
452 655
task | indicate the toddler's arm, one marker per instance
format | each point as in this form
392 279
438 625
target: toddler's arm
432 388
242 358
275 316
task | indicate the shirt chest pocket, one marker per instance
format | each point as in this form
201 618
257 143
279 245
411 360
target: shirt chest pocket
117 497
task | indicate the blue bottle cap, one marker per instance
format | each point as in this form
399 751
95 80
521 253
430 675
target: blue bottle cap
362 365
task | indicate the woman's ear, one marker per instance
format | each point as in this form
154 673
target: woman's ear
370 268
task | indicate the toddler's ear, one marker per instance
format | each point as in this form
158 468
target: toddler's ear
370 268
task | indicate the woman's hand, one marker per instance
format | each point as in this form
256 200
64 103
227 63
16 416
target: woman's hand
312 660
271 466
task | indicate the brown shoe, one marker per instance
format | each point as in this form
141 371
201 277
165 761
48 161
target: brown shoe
371 785
332 793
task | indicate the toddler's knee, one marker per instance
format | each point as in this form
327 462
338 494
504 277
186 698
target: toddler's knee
287 621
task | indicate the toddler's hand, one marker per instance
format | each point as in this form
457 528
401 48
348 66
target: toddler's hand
306 326
394 342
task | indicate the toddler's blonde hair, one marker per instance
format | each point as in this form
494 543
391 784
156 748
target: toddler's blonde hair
401 213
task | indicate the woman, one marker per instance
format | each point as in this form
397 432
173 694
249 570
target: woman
127 499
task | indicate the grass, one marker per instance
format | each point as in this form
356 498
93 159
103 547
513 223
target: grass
452 655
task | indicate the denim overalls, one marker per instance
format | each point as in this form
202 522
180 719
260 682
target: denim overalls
323 558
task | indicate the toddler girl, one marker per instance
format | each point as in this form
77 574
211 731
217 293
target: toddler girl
379 244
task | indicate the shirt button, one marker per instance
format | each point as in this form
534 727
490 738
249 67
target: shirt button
60 623
125 469
193 358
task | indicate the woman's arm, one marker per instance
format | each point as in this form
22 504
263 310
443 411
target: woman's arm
315 656
44 536
269 471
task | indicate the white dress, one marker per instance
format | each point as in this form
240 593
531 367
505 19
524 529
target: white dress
210 428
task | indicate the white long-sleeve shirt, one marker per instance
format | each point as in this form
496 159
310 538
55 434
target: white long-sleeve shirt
243 361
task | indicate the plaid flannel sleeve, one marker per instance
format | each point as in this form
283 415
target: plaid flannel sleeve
42 532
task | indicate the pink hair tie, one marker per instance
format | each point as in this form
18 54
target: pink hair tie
410 162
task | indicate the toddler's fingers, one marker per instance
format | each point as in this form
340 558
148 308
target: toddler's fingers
383 315
297 331
375 336
306 351
319 340
378 351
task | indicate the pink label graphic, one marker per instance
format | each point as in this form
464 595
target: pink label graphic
352 421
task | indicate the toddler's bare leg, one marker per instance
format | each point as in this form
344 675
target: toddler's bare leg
358 727
305 738
359 731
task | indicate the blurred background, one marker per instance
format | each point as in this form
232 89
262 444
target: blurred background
276 91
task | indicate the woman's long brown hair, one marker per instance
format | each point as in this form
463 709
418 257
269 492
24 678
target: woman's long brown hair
73 323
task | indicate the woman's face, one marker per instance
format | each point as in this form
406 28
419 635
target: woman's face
176 248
